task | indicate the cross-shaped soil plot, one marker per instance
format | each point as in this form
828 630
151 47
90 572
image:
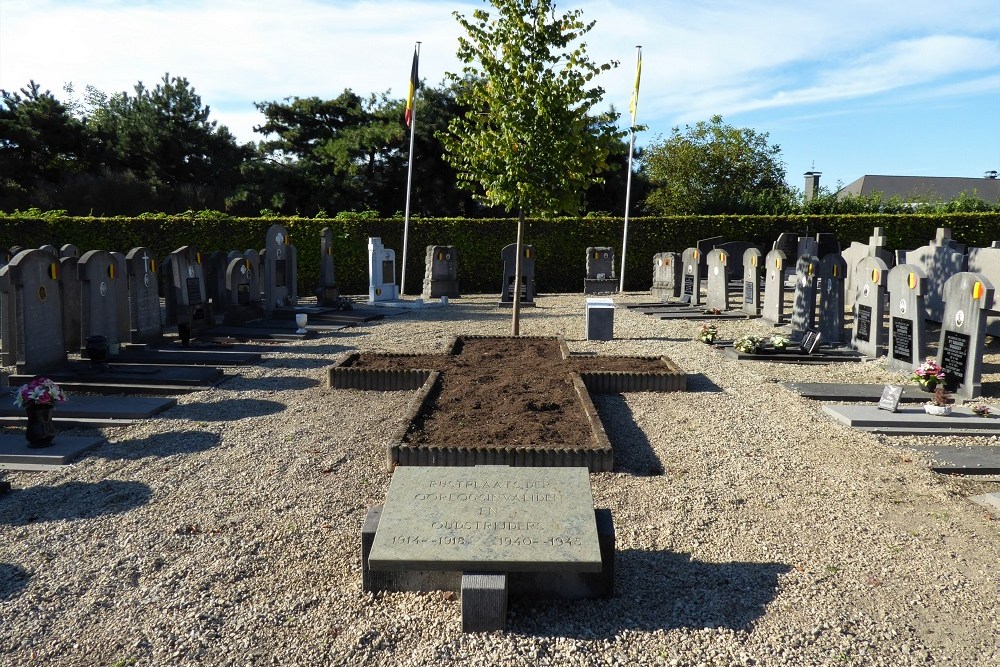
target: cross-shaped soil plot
505 401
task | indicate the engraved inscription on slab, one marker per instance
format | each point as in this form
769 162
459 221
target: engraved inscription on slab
890 398
864 323
955 355
688 283
489 519
748 291
902 339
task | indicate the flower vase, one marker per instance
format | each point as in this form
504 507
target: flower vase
937 410
41 429
927 386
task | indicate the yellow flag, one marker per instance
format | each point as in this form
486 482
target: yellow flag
633 104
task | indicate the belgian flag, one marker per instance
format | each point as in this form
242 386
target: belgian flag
414 84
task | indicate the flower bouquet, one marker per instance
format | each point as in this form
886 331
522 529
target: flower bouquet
940 403
982 410
928 374
749 344
708 333
780 341
40 392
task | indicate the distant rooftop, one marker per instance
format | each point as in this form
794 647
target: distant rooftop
925 188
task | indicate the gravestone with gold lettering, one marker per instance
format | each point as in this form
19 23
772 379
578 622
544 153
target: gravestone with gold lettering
868 333
907 326
963 331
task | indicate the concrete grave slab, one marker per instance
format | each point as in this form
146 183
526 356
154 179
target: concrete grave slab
794 355
95 407
959 460
990 501
853 393
16 455
913 421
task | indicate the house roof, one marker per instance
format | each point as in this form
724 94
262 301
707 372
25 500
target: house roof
923 188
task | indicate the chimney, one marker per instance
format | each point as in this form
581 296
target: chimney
812 184
991 174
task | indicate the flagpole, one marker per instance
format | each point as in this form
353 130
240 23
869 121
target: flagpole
409 176
631 150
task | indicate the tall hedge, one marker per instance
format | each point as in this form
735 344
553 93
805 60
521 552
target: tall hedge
560 244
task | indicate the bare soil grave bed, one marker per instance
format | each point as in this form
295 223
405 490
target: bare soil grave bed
497 400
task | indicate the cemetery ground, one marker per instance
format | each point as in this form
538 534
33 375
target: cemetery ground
751 528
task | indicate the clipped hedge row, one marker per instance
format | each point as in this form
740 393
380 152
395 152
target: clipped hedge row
560 243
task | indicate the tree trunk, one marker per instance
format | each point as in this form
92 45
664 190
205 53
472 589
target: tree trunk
515 328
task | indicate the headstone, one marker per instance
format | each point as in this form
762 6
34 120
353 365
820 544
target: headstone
37 322
939 260
717 297
703 246
890 398
854 254
736 250
215 279
804 300
868 334
827 244
600 271
907 330
986 261
832 277
69 250
327 292
100 287
69 294
51 249
753 271
807 246
242 292
667 269
527 279
121 275
600 319
279 269
253 256
186 290
293 274
381 272
788 243
773 310
144 295
440 272
691 281
8 313
963 332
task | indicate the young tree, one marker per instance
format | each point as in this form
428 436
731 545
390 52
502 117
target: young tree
715 168
529 140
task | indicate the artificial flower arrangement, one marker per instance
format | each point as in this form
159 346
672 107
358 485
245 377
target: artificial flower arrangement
940 403
749 344
780 341
982 410
928 374
39 392
708 333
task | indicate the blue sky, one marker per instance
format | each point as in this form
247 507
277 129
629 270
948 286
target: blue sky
850 87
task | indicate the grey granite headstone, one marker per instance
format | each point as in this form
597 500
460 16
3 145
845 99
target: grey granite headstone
832 273
327 292
440 272
774 287
69 250
600 278
788 243
37 322
51 249
807 246
484 602
939 260
100 286
717 297
703 246
907 327
804 294
527 278
963 331
277 270
215 279
69 294
186 289
487 519
736 250
753 272
691 276
242 300
253 256
667 269
868 333
8 334
827 244
144 295
854 254
986 261
121 276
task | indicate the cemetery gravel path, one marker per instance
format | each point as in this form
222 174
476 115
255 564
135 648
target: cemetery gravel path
752 530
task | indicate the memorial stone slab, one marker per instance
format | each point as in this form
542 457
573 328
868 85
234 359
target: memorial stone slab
215 279
8 333
692 276
527 278
868 333
667 269
907 327
51 249
600 277
736 250
703 246
804 295
773 310
186 290
242 292
327 292
144 295
487 519
100 286
753 271
69 294
277 269
37 320
939 260
857 251
717 297
293 274
826 244
832 272
440 272
381 272
253 256
963 332
986 262
69 250
121 275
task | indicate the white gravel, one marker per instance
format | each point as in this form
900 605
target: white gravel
227 531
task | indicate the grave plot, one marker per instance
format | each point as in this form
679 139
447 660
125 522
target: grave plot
504 401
